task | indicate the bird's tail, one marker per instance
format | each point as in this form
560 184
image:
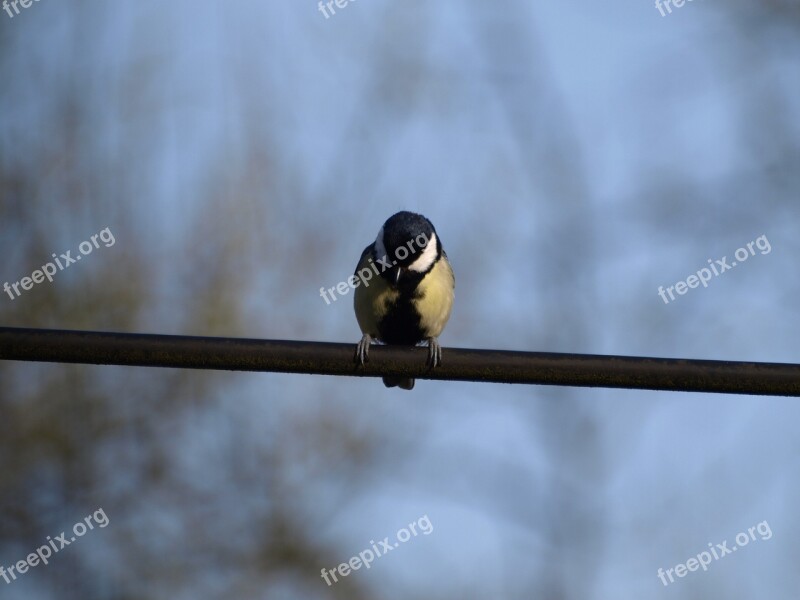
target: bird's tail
401 382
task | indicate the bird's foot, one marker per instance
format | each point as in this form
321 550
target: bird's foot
434 353
362 349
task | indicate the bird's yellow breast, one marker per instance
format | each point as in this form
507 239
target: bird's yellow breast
435 298
432 301
372 300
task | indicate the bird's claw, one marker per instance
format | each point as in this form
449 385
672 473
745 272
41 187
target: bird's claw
362 349
434 353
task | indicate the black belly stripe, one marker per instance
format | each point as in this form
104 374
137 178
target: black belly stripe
401 324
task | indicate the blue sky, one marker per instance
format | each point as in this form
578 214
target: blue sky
574 157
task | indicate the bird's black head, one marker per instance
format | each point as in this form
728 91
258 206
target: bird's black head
410 244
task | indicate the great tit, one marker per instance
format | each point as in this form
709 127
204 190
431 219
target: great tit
410 300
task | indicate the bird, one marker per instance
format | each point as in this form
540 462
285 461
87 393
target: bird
410 298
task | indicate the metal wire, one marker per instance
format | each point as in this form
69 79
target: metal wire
495 366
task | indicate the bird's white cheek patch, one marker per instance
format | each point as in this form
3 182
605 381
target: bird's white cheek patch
427 258
380 249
